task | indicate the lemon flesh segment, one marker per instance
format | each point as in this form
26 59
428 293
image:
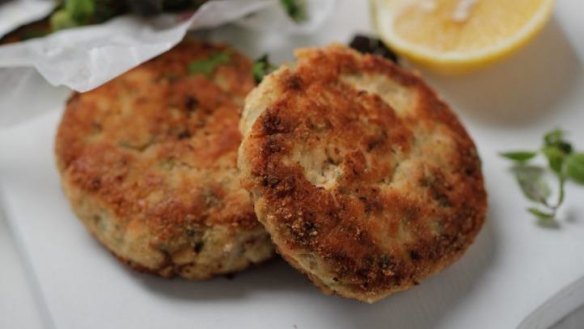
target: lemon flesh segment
447 38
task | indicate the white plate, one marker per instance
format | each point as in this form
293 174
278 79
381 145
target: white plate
513 268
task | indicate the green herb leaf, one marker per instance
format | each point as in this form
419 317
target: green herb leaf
541 215
61 19
209 65
106 9
575 167
532 183
553 137
555 158
563 162
556 139
296 9
519 156
261 68
35 33
556 149
80 10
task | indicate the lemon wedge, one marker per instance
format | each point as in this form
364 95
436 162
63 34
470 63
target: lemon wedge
455 36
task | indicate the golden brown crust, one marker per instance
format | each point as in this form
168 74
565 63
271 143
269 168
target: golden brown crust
148 161
365 180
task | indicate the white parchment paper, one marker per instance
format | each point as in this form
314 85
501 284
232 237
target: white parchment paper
84 58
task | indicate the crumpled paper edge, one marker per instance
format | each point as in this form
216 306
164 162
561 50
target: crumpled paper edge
84 58
26 67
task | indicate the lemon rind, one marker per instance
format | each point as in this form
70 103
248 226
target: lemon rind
457 62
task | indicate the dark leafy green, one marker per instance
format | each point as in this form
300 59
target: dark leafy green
145 7
555 158
61 20
80 10
261 68
575 167
556 138
532 181
74 13
34 33
519 156
296 9
371 45
542 215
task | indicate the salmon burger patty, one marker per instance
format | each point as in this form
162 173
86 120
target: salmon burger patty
148 162
365 179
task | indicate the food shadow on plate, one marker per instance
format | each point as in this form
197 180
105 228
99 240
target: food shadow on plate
520 90
273 275
433 298
424 306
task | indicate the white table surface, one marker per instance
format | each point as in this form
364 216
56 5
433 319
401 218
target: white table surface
22 304
18 308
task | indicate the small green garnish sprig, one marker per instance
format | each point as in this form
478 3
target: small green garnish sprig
564 162
296 9
262 67
209 65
